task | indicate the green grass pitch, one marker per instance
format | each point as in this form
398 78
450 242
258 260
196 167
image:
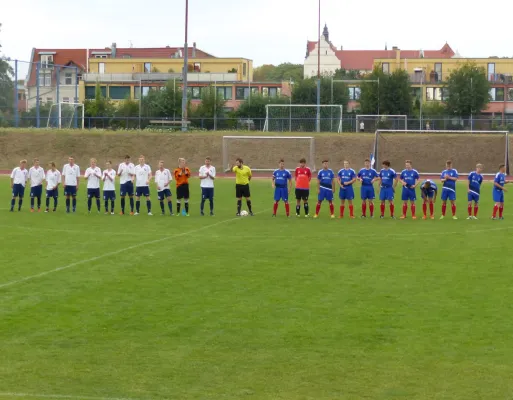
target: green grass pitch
120 307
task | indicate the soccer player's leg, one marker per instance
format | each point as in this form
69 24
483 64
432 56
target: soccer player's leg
112 201
382 199
247 196
148 199
320 198
160 198
48 195
285 197
67 197
404 198
444 198
97 196
452 199
14 196
277 197
89 199
391 202
203 199
298 202
238 196
186 198
39 194
138 194
211 200
32 199
169 197
106 201
413 207
305 196
342 196
498 198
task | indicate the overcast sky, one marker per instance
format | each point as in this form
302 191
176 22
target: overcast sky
266 31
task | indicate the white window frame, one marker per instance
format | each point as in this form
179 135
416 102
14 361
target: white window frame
68 75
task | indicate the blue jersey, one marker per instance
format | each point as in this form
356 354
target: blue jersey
281 177
475 181
325 177
346 175
410 177
500 178
387 177
367 176
449 184
429 191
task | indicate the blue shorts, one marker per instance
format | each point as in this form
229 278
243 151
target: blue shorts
347 193
408 194
281 193
428 195
142 191
448 194
109 195
70 190
207 193
164 194
52 193
93 193
367 192
473 196
18 190
498 196
126 189
386 194
325 194
36 191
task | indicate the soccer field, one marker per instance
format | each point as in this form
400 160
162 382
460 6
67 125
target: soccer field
120 307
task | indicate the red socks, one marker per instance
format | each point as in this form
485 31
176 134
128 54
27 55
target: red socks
501 209
317 208
413 209
495 209
476 209
351 210
469 209
371 208
453 209
392 210
364 209
332 208
444 209
382 208
275 208
342 211
405 209
287 209
424 209
431 209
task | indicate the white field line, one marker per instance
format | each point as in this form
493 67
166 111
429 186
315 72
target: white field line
59 396
112 253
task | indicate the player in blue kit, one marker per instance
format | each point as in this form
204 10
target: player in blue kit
282 183
498 191
475 179
367 176
410 179
388 179
346 178
428 191
449 177
325 188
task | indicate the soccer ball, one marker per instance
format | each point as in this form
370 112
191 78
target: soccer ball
243 213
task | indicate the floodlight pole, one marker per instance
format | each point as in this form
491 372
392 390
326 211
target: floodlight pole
319 71
290 104
184 73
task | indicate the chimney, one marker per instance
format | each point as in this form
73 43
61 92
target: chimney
395 48
194 50
113 50
341 47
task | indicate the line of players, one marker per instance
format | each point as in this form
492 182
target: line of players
128 173
388 180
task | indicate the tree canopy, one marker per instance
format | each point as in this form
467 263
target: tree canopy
278 73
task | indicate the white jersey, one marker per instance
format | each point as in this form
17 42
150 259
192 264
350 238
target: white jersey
19 176
53 178
108 184
207 182
92 175
125 172
36 176
142 175
71 174
162 179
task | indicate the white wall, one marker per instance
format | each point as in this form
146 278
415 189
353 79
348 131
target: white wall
329 61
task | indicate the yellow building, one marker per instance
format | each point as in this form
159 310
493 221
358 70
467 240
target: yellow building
428 76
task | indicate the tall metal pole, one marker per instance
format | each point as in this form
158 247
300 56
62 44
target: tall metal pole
215 105
319 71
16 115
471 103
185 66
421 99
290 105
75 100
38 70
140 100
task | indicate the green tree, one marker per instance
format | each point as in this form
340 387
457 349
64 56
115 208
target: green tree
6 87
433 109
166 103
210 110
305 92
126 115
279 73
391 96
99 110
254 108
469 90
350 74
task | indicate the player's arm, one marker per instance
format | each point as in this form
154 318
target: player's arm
250 175
340 182
318 185
212 173
12 179
295 175
187 172
78 178
290 183
333 183
309 174
497 185
273 183
396 180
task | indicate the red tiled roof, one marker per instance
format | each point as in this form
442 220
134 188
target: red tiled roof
364 59
158 52
76 57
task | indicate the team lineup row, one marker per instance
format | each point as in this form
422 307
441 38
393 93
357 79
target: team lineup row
327 181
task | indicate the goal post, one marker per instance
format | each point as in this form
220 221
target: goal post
262 153
430 149
303 118
66 115
372 122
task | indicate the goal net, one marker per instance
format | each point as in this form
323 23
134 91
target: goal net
262 153
303 118
66 116
429 149
373 122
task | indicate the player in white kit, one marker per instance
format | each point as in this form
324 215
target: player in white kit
71 181
207 174
142 185
37 176
162 178
93 175
53 180
19 178
109 187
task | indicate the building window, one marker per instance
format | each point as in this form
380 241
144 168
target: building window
20 96
244 69
385 67
195 92
438 72
68 78
416 93
45 79
101 68
65 99
242 92
445 94
510 94
145 91
197 67
147 67
119 92
90 92
354 93
225 92
497 94
46 61
271 91
127 56
433 94
491 71
100 56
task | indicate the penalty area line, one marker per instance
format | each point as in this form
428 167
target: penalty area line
113 253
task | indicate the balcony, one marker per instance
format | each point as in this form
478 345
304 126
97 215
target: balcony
506 79
421 77
192 77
